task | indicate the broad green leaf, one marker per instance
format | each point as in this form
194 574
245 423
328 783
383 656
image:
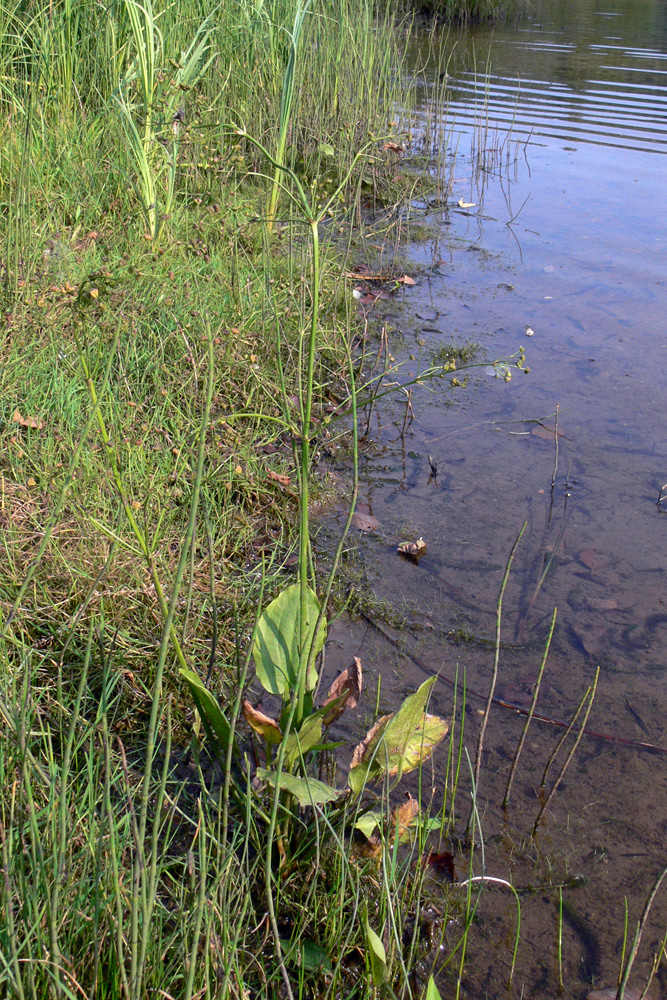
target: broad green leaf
398 743
378 956
307 791
307 954
368 822
298 744
432 991
432 824
276 649
314 957
216 725
326 150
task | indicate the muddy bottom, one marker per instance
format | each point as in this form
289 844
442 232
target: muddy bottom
561 251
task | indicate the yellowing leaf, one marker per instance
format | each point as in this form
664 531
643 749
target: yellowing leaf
404 816
359 752
267 727
466 204
398 742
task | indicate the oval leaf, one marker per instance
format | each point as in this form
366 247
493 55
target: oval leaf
432 991
307 791
363 521
378 956
276 649
399 742
309 736
314 957
369 822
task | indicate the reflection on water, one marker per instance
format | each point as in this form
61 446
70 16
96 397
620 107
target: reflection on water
574 70
567 236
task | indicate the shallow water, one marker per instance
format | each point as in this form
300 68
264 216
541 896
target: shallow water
567 236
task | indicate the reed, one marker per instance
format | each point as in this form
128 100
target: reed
468 11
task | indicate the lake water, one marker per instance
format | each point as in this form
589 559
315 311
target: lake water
555 132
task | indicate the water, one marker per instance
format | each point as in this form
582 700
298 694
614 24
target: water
567 236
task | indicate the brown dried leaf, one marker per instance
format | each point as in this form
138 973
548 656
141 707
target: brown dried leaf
262 724
406 280
403 817
443 864
360 749
591 638
345 691
588 557
414 550
32 422
365 522
393 146
278 478
545 433
604 604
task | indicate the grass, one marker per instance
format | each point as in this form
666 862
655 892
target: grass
180 187
173 321
467 11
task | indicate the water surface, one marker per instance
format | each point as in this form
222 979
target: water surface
561 148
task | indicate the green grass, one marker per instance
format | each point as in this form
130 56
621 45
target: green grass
159 337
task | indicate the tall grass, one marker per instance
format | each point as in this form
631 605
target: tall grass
145 312
468 11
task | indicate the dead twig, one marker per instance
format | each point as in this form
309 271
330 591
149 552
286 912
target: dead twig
548 720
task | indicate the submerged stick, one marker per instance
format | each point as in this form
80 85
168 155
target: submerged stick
555 472
519 709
